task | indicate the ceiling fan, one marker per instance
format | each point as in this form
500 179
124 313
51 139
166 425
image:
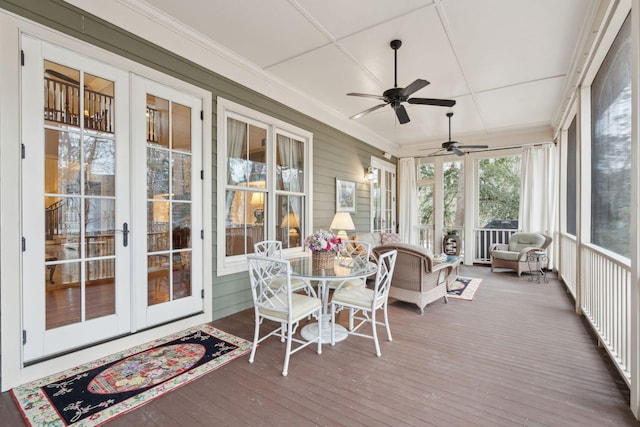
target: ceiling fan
397 95
454 147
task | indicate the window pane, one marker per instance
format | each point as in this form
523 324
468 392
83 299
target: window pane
453 194
426 171
425 215
245 222
290 221
289 164
611 148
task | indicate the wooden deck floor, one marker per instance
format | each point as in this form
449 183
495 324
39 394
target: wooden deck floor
516 355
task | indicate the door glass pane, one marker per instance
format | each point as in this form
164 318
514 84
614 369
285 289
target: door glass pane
62 298
180 127
62 161
425 214
157 121
100 166
98 104
100 288
169 204
61 94
79 161
158 225
181 173
157 279
157 171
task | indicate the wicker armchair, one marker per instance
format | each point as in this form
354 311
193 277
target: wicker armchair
514 254
416 279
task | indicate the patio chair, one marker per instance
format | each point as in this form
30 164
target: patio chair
366 302
355 254
514 255
279 304
273 249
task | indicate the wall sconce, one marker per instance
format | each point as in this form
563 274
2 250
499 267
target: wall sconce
369 173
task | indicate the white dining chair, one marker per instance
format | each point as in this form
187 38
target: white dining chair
354 255
363 303
273 249
279 304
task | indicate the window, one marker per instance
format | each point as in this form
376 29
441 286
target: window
571 178
426 182
611 148
264 167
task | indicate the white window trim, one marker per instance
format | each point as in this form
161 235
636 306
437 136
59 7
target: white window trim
225 109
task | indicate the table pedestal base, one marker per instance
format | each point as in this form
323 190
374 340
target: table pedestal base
310 331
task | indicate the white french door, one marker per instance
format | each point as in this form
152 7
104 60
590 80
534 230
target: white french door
168 201
108 217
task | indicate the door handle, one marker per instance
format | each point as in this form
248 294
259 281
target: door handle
125 234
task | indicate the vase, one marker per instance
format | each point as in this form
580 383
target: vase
322 260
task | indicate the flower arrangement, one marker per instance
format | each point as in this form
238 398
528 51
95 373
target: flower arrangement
324 241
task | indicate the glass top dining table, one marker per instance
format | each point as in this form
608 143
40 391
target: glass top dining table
343 269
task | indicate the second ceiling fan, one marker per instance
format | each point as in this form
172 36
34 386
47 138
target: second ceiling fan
397 95
454 147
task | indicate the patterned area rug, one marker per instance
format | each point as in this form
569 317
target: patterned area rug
464 288
94 393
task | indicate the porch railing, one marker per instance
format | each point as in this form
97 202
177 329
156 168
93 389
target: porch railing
484 238
567 269
606 303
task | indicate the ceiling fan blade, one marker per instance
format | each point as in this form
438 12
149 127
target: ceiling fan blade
367 111
414 87
457 152
366 95
432 101
440 152
402 115
471 147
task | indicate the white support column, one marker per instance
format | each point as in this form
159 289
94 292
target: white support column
635 216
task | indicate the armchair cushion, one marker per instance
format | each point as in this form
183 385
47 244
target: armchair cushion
520 241
514 255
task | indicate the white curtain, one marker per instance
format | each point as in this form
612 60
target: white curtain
538 192
408 211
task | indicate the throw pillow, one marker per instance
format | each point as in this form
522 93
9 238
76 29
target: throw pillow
390 238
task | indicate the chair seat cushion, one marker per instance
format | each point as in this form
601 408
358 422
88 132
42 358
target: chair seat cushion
505 255
302 305
296 284
360 296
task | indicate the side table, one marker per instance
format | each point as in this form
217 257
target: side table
537 261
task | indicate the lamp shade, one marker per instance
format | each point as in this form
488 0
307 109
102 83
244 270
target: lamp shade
290 221
257 198
342 221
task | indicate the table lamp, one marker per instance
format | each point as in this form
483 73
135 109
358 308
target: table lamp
257 198
342 221
291 222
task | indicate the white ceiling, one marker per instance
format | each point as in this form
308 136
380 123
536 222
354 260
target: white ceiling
505 62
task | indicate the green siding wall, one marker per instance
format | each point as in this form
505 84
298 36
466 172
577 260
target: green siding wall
335 154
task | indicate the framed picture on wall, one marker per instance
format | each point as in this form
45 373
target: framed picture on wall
345 195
